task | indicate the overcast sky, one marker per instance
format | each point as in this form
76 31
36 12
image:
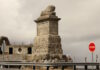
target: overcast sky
79 24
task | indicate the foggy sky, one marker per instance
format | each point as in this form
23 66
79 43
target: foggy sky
79 24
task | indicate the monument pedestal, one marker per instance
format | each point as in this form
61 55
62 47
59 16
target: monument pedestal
47 43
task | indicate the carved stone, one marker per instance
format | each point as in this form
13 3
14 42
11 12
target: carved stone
49 11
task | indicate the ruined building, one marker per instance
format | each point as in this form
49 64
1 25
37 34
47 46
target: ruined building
17 52
47 44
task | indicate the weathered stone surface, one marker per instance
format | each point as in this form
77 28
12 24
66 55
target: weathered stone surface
49 10
5 39
47 43
48 14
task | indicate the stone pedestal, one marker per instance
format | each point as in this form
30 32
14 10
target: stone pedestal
47 43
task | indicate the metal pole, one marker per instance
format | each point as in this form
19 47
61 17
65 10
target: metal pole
86 68
92 60
62 67
96 58
8 67
33 67
92 57
74 67
47 67
97 67
85 59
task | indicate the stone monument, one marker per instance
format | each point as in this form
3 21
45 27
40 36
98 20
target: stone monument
47 43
